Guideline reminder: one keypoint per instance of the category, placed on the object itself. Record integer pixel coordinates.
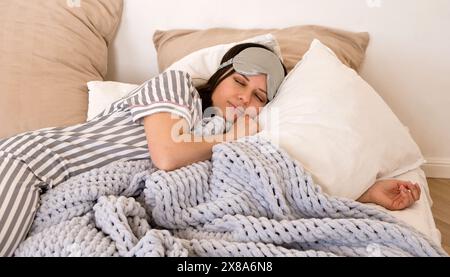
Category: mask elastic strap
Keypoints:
(230, 61)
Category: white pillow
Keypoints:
(203, 63)
(332, 122)
(102, 94)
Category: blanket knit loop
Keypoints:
(251, 199)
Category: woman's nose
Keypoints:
(245, 96)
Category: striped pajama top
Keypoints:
(56, 154)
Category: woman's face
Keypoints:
(238, 93)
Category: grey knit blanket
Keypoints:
(251, 199)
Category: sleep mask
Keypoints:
(255, 61)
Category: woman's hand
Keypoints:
(243, 127)
(392, 194)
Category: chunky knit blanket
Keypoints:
(251, 199)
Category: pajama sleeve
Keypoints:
(171, 91)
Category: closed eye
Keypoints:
(260, 98)
(242, 83)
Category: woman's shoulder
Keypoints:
(182, 78)
(172, 76)
(179, 74)
(174, 81)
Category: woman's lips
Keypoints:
(236, 111)
(238, 108)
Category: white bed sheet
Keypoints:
(419, 215)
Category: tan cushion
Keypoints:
(350, 47)
(49, 50)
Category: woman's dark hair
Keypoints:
(207, 90)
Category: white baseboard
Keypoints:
(437, 168)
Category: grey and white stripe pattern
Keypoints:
(18, 203)
(41, 159)
(172, 91)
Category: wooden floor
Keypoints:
(440, 193)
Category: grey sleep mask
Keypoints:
(255, 61)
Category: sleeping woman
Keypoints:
(156, 121)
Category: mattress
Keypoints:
(418, 215)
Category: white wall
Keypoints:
(408, 58)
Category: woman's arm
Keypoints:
(392, 194)
(171, 145)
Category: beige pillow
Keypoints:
(350, 47)
(49, 50)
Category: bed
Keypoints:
(327, 158)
